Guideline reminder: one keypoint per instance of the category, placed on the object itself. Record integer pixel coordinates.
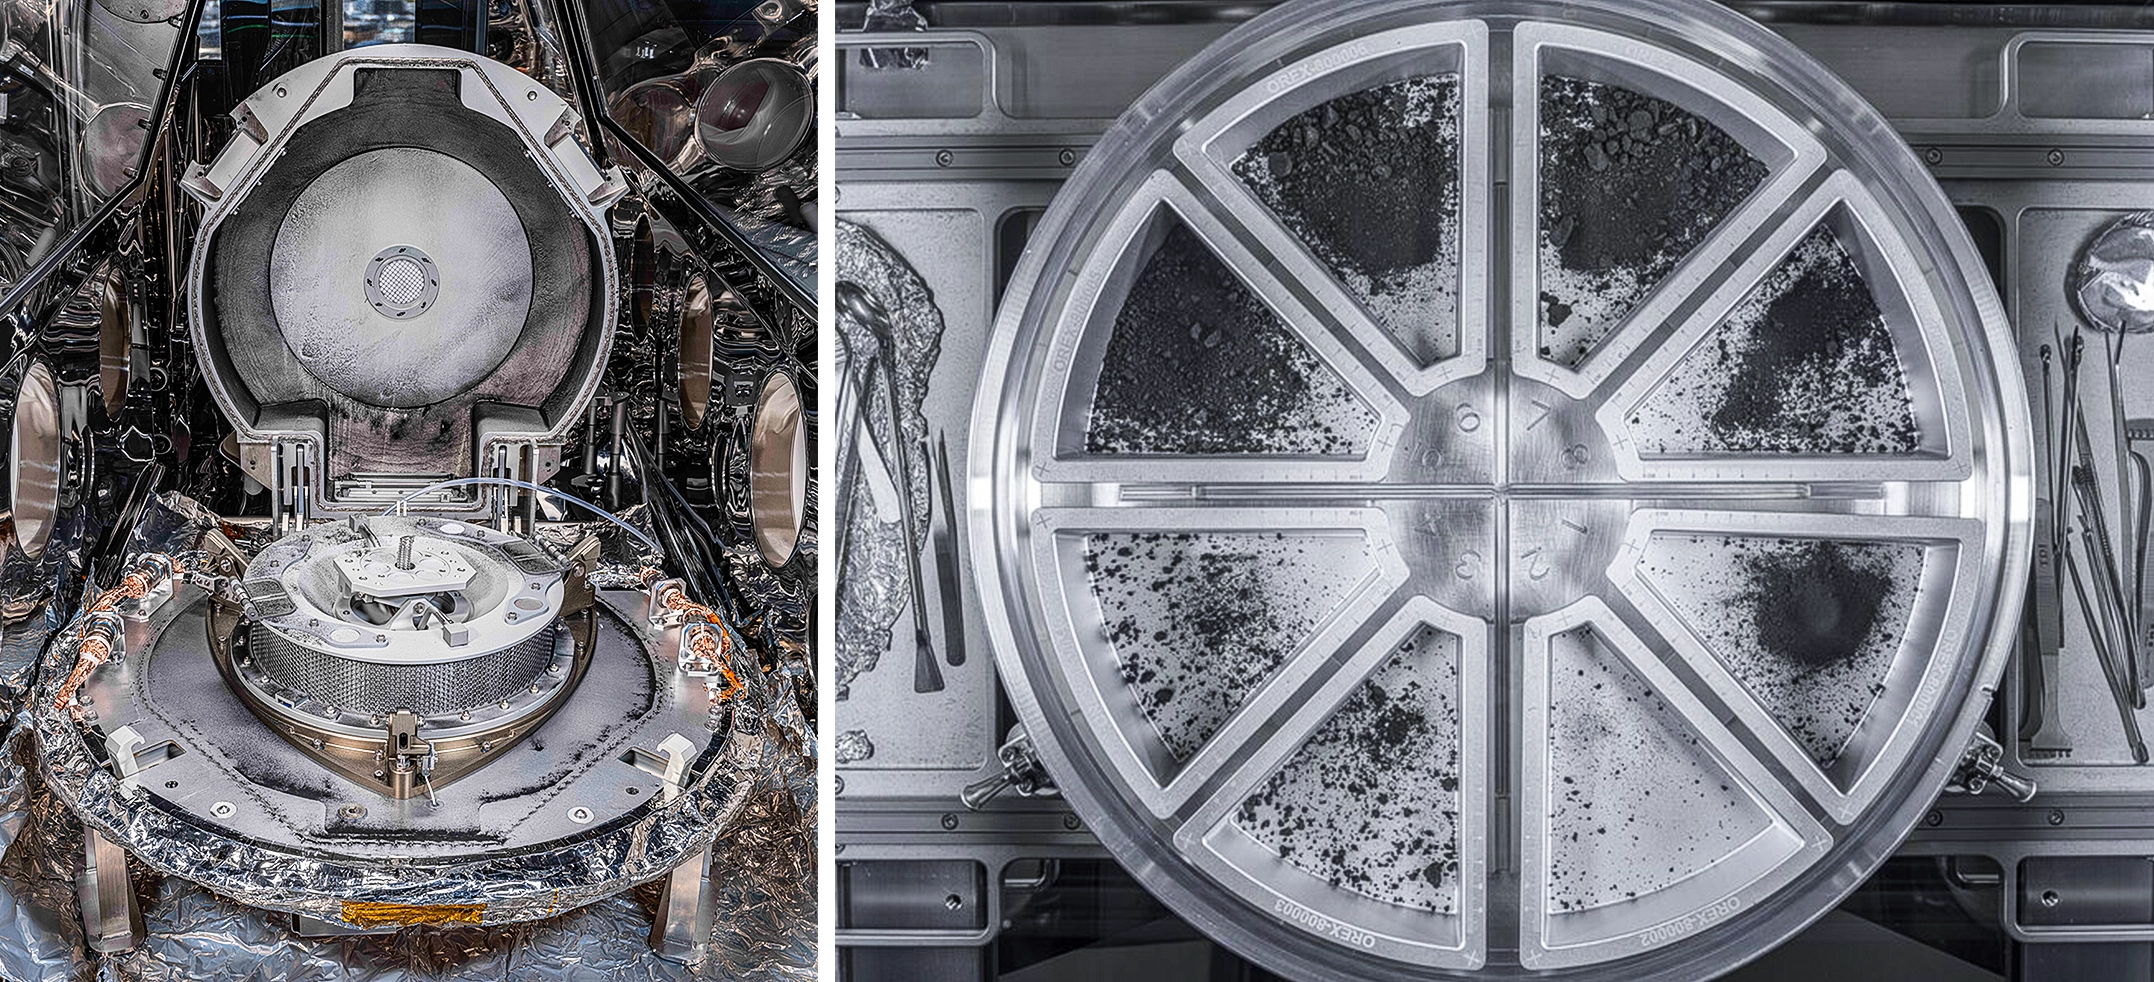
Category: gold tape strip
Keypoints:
(365, 914)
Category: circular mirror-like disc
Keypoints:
(406, 330)
(1479, 489)
(115, 342)
(34, 460)
(754, 114)
(695, 350)
(778, 470)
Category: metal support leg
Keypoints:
(682, 928)
(111, 918)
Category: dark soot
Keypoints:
(1199, 365)
(1370, 193)
(1628, 183)
(1812, 606)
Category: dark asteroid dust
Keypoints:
(1370, 183)
(1199, 365)
(1199, 620)
(1370, 803)
(1630, 185)
(1810, 627)
(1804, 365)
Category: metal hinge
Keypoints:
(1021, 771)
(1982, 767)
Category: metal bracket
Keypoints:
(1021, 771)
(682, 926)
(111, 915)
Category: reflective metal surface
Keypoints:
(778, 469)
(1553, 529)
(34, 459)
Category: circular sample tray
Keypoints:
(1463, 491)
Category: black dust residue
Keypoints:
(1370, 802)
(1630, 184)
(1815, 607)
(1810, 627)
(1199, 365)
(1370, 183)
(1199, 620)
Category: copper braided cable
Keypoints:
(708, 644)
(93, 650)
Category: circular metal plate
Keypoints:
(777, 469)
(112, 143)
(337, 256)
(754, 114)
(1409, 581)
(402, 281)
(33, 472)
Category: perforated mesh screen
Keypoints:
(427, 690)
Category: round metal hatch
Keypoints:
(1476, 489)
(777, 469)
(35, 458)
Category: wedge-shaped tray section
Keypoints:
(1816, 630)
(1647, 820)
(1363, 175)
(1595, 271)
(1196, 364)
(1364, 818)
(1196, 624)
(1821, 358)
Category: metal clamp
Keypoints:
(1982, 767)
(1021, 770)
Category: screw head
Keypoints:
(949, 821)
(2056, 816)
(944, 158)
(1934, 818)
(1070, 822)
(1068, 157)
(2056, 158)
(1933, 156)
